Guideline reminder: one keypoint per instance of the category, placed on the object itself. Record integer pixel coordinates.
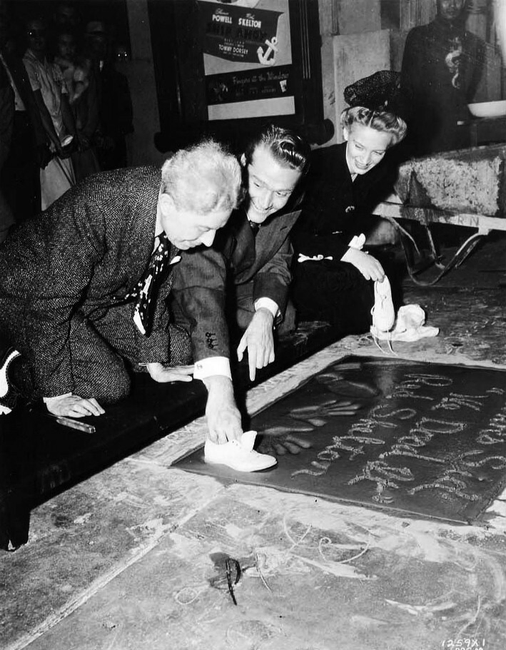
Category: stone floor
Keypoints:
(133, 557)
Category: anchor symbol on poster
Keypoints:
(263, 57)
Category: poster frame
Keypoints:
(180, 78)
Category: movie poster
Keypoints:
(247, 58)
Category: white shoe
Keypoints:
(238, 455)
(407, 336)
(409, 326)
(383, 312)
(6, 398)
(409, 317)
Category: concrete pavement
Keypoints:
(130, 558)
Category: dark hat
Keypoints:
(376, 92)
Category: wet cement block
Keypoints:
(465, 181)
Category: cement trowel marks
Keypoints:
(427, 439)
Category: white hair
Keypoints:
(203, 178)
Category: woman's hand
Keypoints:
(368, 265)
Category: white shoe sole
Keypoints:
(241, 458)
(4, 382)
(241, 467)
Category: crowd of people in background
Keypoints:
(65, 108)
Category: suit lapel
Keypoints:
(142, 225)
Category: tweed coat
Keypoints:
(84, 254)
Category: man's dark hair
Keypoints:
(285, 145)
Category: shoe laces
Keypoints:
(389, 344)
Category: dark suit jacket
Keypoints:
(264, 261)
(85, 252)
(432, 99)
(335, 208)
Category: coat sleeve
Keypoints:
(199, 291)
(273, 279)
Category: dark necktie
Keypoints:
(254, 227)
(145, 288)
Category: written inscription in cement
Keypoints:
(421, 422)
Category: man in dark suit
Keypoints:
(75, 283)
(441, 69)
(257, 248)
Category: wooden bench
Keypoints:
(39, 457)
